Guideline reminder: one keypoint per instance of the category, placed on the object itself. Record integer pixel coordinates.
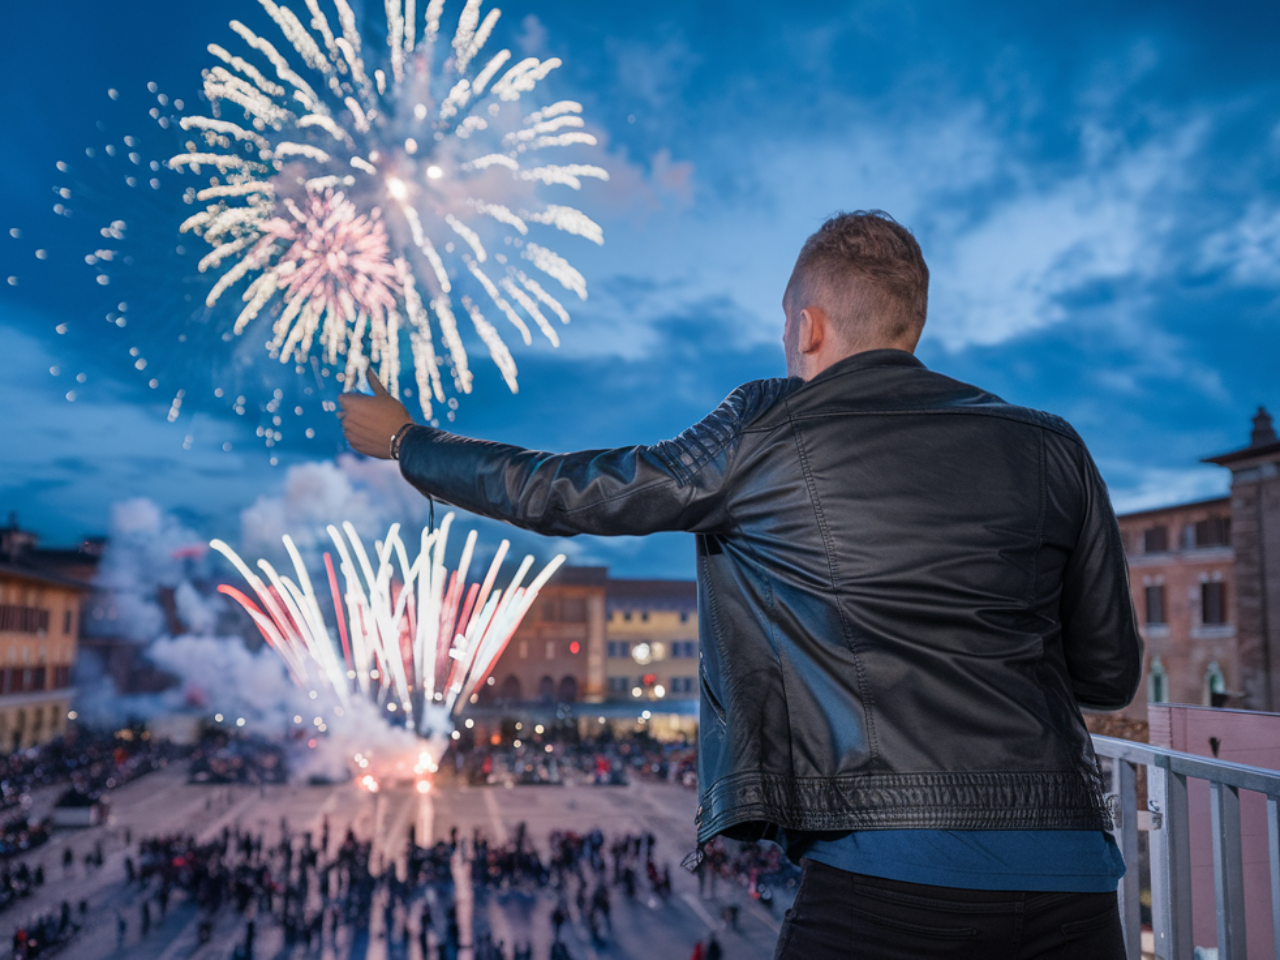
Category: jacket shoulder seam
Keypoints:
(1045, 420)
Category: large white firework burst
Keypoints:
(354, 205)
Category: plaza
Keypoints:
(165, 803)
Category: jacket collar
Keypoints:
(866, 359)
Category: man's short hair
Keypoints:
(867, 272)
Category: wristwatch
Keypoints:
(395, 440)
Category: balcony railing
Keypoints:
(1170, 844)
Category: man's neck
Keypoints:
(825, 360)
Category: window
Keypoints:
(1157, 682)
(684, 649)
(524, 649)
(66, 622)
(1213, 603)
(1155, 603)
(684, 616)
(1155, 540)
(618, 685)
(19, 619)
(644, 617)
(562, 609)
(618, 649)
(682, 684)
(1213, 532)
(1215, 686)
(551, 649)
(627, 616)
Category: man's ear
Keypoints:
(813, 329)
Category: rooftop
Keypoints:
(1173, 508)
(672, 595)
(1263, 443)
(10, 571)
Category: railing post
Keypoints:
(1228, 870)
(1170, 844)
(1124, 787)
(1273, 845)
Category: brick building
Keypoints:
(1255, 540)
(39, 626)
(629, 648)
(1205, 578)
(1181, 573)
(557, 653)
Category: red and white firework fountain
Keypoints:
(413, 637)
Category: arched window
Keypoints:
(546, 689)
(568, 692)
(1157, 682)
(510, 689)
(1215, 685)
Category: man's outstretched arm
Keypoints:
(674, 485)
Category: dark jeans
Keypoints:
(845, 915)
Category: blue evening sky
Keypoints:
(1096, 188)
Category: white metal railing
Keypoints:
(1169, 844)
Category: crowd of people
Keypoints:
(294, 882)
(759, 868)
(20, 835)
(90, 762)
(18, 882)
(603, 760)
(318, 891)
(219, 758)
(325, 887)
(46, 934)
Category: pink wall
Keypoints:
(1244, 737)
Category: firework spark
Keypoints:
(411, 635)
(356, 203)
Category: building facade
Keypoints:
(557, 655)
(1255, 541)
(652, 656)
(652, 640)
(1181, 574)
(602, 650)
(1205, 579)
(39, 627)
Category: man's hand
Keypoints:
(369, 423)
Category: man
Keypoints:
(907, 589)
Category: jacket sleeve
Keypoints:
(1100, 633)
(678, 484)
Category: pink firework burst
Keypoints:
(336, 267)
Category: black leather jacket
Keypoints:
(907, 588)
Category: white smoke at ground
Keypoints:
(220, 675)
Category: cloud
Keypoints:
(1160, 486)
(532, 39)
(654, 75)
(67, 462)
(1249, 249)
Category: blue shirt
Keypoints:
(1078, 861)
